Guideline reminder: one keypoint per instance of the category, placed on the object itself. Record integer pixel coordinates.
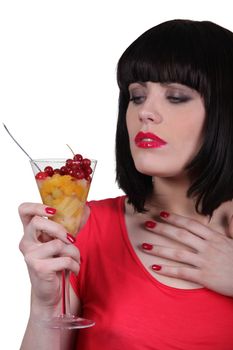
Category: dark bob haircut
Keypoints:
(199, 55)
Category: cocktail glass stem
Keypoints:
(65, 309)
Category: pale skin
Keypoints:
(193, 251)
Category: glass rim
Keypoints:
(57, 160)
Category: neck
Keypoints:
(170, 194)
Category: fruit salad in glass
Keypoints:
(64, 185)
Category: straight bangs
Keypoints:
(165, 54)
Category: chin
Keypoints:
(158, 165)
(159, 171)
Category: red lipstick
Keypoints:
(148, 140)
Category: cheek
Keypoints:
(189, 130)
(131, 124)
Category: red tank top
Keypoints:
(132, 310)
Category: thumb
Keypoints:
(85, 216)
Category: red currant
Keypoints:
(76, 166)
(79, 175)
(63, 170)
(72, 172)
(49, 170)
(78, 158)
(88, 171)
(69, 163)
(86, 163)
(41, 175)
(88, 178)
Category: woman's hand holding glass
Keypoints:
(47, 252)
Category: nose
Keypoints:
(146, 116)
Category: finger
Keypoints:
(176, 233)
(178, 255)
(85, 216)
(53, 249)
(51, 228)
(191, 225)
(185, 273)
(28, 210)
(45, 267)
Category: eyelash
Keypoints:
(178, 99)
(137, 99)
(173, 99)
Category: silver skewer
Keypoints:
(20, 147)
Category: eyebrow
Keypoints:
(164, 84)
(176, 86)
(171, 84)
(139, 83)
(167, 84)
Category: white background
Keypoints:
(57, 85)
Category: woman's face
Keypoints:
(165, 123)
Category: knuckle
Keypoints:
(37, 266)
(28, 259)
(22, 207)
(75, 251)
(22, 245)
(58, 244)
(34, 220)
(218, 239)
(162, 230)
(76, 255)
(68, 262)
(182, 273)
(191, 225)
(159, 251)
(26, 208)
(180, 233)
(76, 268)
(179, 255)
(59, 230)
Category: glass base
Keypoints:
(68, 322)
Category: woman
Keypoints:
(157, 264)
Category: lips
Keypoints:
(148, 140)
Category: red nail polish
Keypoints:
(164, 214)
(150, 224)
(50, 210)
(156, 267)
(70, 238)
(147, 246)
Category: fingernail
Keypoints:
(50, 210)
(70, 238)
(164, 214)
(147, 246)
(156, 267)
(150, 224)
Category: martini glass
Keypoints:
(64, 185)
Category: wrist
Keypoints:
(43, 311)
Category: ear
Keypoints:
(230, 228)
